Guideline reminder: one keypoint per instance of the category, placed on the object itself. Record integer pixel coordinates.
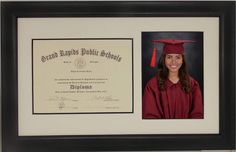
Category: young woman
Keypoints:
(172, 93)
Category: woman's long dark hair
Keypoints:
(163, 73)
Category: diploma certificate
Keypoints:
(82, 75)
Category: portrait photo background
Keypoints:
(193, 53)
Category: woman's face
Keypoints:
(173, 62)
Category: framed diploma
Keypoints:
(80, 76)
(85, 81)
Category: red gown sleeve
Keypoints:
(197, 104)
(151, 104)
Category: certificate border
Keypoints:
(132, 75)
(12, 10)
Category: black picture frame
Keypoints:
(225, 10)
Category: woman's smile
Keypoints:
(173, 62)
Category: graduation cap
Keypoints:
(170, 47)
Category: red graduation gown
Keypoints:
(173, 102)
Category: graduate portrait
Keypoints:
(172, 75)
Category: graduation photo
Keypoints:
(172, 75)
